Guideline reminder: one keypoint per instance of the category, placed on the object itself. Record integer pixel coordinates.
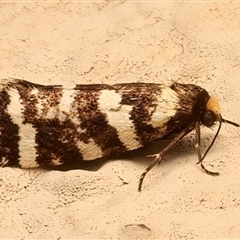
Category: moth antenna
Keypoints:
(230, 122)
(221, 120)
(213, 141)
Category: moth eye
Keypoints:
(208, 118)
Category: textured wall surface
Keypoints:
(113, 42)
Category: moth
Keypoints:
(56, 125)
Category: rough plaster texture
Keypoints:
(109, 42)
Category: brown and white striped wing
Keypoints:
(54, 125)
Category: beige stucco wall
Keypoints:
(109, 42)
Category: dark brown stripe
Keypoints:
(9, 137)
(56, 140)
(51, 98)
(94, 124)
(192, 103)
(29, 102)
(143, 99)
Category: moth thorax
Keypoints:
(211, 113)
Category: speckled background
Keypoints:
(110, 42)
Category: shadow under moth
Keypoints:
(54, 125)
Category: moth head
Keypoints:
(210, 116)
(212, 112)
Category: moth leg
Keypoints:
(158, 157)
(198, 149)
